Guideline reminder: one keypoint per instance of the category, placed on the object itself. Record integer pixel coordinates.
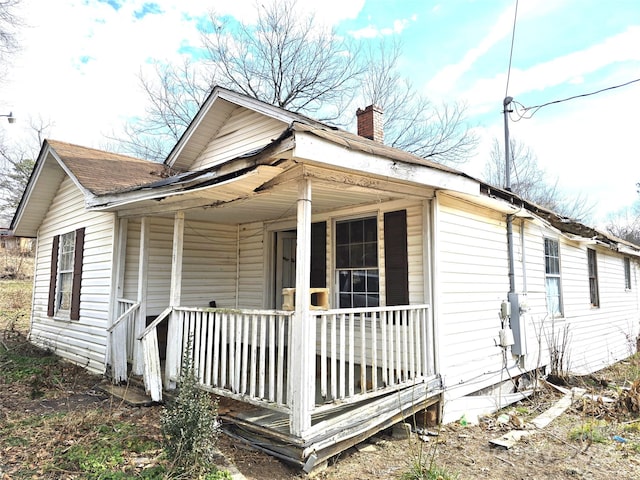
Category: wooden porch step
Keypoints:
(131, 394)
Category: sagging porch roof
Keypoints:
(261, 185)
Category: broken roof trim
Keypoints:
(570, 228)
(192, 181)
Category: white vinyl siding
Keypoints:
(251, 286)
(472, 282)
(208, 268)
(243, 132)
(83, 341)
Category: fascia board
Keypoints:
(312, 148)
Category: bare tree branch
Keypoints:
(531, 182)
(287, 59)
(411, 121)
(9, 23)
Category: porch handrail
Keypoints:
(155, 323)
(125, 314)
(370, 351)
(393, 308)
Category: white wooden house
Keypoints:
(331, 283)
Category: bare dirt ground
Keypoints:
(591, 440)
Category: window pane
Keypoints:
(373, 300)
(627, 274)
(371, 230)
(553, 296)
(342, 233)
(356, 231)
(345, 300)
(345, 281)
(372, 281)
(356, 252)
(357, 262)
(359, 281)
(65, 291)
(552, 277)
(342, 256)
(370, 255)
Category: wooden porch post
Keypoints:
(302, 378)
(174, 334)
(118, 337)
(143, 269)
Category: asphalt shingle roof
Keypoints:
(103, 172)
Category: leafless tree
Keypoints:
(532, 182)
(9, 22)
(625, 223)
(16, 164)
(411, 121)
(287, 59)
(174, 96)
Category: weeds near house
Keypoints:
(189, 426)
(590, 431)
(558, 343)
(423, 465)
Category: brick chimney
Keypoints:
(370, 123)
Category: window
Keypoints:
(66, 274)
(552, 276)
(627, 273)
(593, 278)
(65, 271)
(357, 263)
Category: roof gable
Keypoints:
(221, 107)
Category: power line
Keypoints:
(513, 36)
(528, 112)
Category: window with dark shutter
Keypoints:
(66, 274)
(396, 258)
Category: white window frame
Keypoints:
(64, 282)
(338, 270)
(553, 278)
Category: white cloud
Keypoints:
(81, 59)
(372, 31)
(486, 94)
(448, 76)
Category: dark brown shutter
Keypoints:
(74, 314)
(319, 255)
(51, 305)
(396, 263)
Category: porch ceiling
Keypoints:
(269, 196)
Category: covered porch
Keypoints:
(238, 277)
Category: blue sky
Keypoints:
(80, 61)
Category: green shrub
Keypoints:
(189, 426)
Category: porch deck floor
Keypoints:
(332, 431)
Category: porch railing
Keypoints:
(365, 352)
(244, 354)
(239, 353)
(122, 332)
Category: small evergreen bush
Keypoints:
(189, 426)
